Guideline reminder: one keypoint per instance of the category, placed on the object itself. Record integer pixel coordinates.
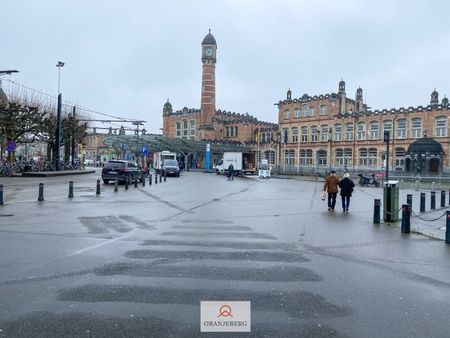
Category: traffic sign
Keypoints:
(144, 151)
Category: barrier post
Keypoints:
(406, 216)
(116, 185)
(1, 194)
(433, 200)
(376, 211)
(442, 198)
(71, 189)
(447, 228)
(41, 192)
(156, 178)
(97, 190)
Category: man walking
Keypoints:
(230, 171)
(331, 186)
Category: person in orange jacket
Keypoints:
(331, 186)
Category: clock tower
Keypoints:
(208, 97)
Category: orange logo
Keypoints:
(225, 311)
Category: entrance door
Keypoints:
(434, 165)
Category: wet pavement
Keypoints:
(137, 262)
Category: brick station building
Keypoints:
(209, 123)
(335, 131)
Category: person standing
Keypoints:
(331, 187)
(346, 185)
(231, 172)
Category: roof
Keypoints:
(209, 39)
(425, 145)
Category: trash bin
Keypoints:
(390, 200)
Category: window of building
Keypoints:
(294, 132)
(399, 158)
(192, 128)
(178, 124)
(305, 156)
(314, 134)
(361, 130)
(285, 135)
(441, 126)
(401, 128)
(298, 113)
(337, 132)
(289, 156)
(312, 111)
(374, 130)
(323, 110)
(416, 128)
(235, 131)
(373, 157)
(304, 132)
(349, 131)
(322, 158)
(363, 157)
(287, 114)
(305, 110)
(348, 156)
(324, 132)
(339, 156)
(269, 155)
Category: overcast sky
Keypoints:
(127, 57)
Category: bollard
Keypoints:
(41, 192)
(449, 197)
(127, 182)
(160, 178)
(406, 213)
(422, 202)
(143, 180)
(165, 176)
(116, 185)
(442, 198)
(433, 200)
(376, 211)
(71, 189)
(1, 194)
(447, 228)
(97, 191)
(135, 182)
(409, 199)
(156, 178)
(150, 179)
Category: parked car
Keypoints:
(171, 168)
(122, 170)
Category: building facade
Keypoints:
(208, 122)
(334, 131)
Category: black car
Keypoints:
(171, 168)
(122, 170)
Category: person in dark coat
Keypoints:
(346, 185)
(230, 171)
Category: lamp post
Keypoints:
(386, 140)
(58, 118)
(137, 124)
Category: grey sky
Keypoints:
(126, 57)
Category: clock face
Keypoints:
(208, 51)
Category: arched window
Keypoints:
(337, 132)
(294, 132)
(304, 134)
(373, 156)
(387, 126)
(324, 132)
(440, 128)
(285, 135)
(178, 124)
(349, 131)
(289, 156)
(305, 157)
(374, 130)
(363, 157)
(361, 130)
(314, 134)
(416, 127)
(287, 114)
(348, 156)
(399, 158)
(339, 156)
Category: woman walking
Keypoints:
(346, 185)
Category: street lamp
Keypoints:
(137, 124)
(58, 118)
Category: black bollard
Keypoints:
(409, 199)
(442, 198)
(150, 179)
(1, 194)
(406, 215)
(433, 200)
(97, 191)
(422, 202)
(41, 192)
(447, 228)
(376, 211)
(165, 176)
(160, 178)
(143, 180)
(449, 197)
(127, 182)
(135, 182)
(116, 185)
(71, 189)
(156, 178)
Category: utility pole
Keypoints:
(73, 136)
(386, 140)
(58, 118)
